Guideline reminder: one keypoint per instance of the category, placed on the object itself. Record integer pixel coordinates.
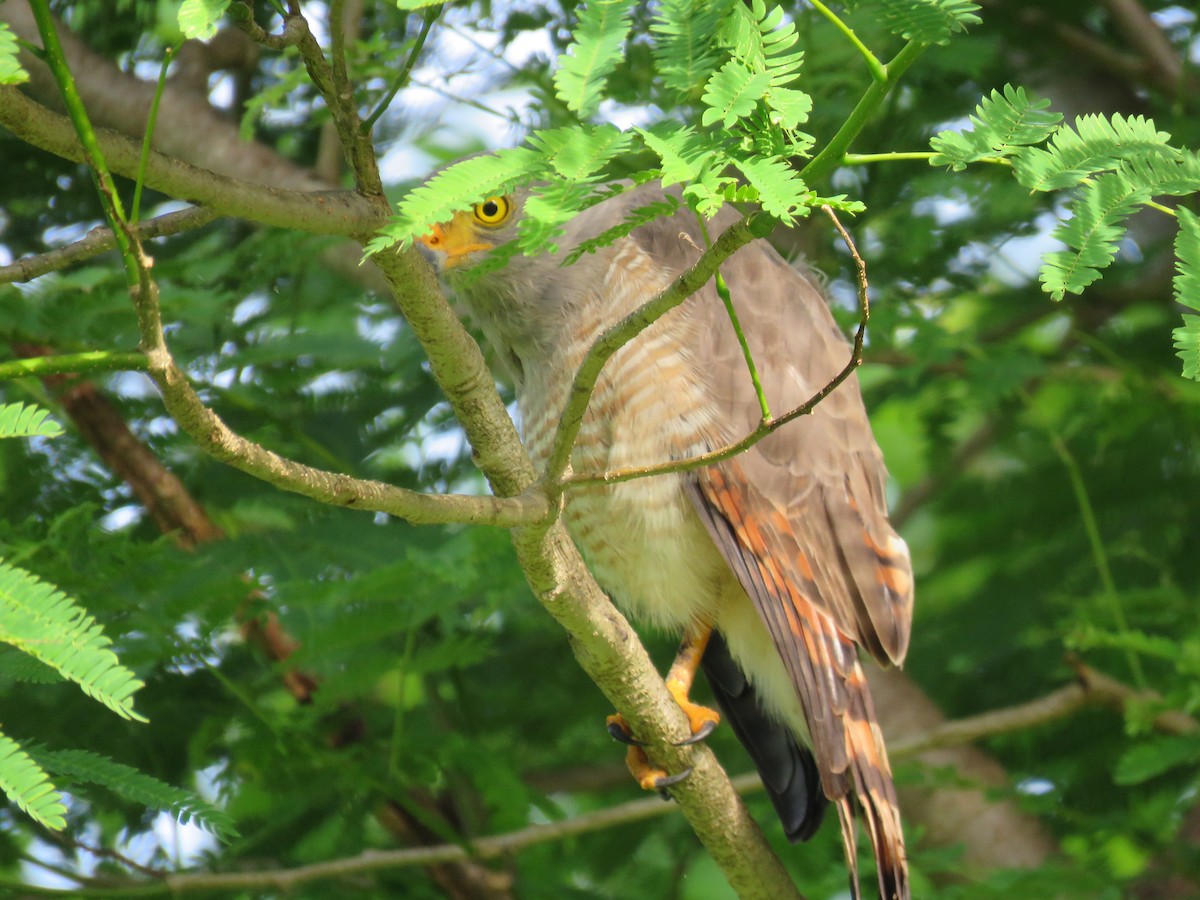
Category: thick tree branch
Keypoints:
(343, 213)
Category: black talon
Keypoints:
(663, 783)
(619, 734)
(705, 730)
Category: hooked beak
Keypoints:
(450, 244)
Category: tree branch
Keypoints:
(343, 213)
(1092, 688)
(101, 239)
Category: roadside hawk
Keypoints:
(775, 565)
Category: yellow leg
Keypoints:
(701, 719)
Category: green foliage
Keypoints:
(926, 21)
(1115, 164)
(733, 93)
(1002, 125)
(1155, 757)
(28, 786)
(198, 19)
(43, 622)
(749, 119)
(686, 51)
(437, 689)
(81, 766)
(1187, 291)
(598, 45)
(19, 420)
(11, 71)
(1096, 144)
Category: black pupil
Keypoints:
(491, 208)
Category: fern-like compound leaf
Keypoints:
(1186, 286)
(1092, 233)
(597, 49)
(1096, 144)
(27, 785)
(685, 43)
(733, 93)
(127, 782)
(1003, 123)
(926, 21)
(20, 420)
(456, 188)
(39, 619)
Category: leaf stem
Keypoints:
(431, 16)
(862, 159)
(878, 71)
(1099, 555)
(110, 199)
(727, 299)
(70, 363)
(144, 159)
(832, 155)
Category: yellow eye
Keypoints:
(493, 210)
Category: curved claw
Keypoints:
(661, 784)
(704, 731)
(618, 730)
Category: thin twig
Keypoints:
(100, 240)
(765, 426)
(401, 79)
(614, 338)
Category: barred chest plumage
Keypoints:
(642, 538)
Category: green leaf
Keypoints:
(198, 18)
(790, 107)
(417, 4)
(635, 218)
(19, 420)
(1149, 760)
(455, 188)
(1092, 233)
(1002, 124)
(579, 152)
(92, 768)
(11, 71)
(29, 787)
(683, 152)
(926, 21)
(733, 93)
(761, 38)
(685, 42)
(779, 188)
(1186, 286)
(42, 621)
(1096, 144)
(597, 49)
(545, 212)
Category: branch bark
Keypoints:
(1092, 688)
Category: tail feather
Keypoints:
(876, 794)
(788, 770)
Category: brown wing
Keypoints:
(801, 520)
(823, 663)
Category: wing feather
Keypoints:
(801, 518)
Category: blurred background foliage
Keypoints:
(1044, 457)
